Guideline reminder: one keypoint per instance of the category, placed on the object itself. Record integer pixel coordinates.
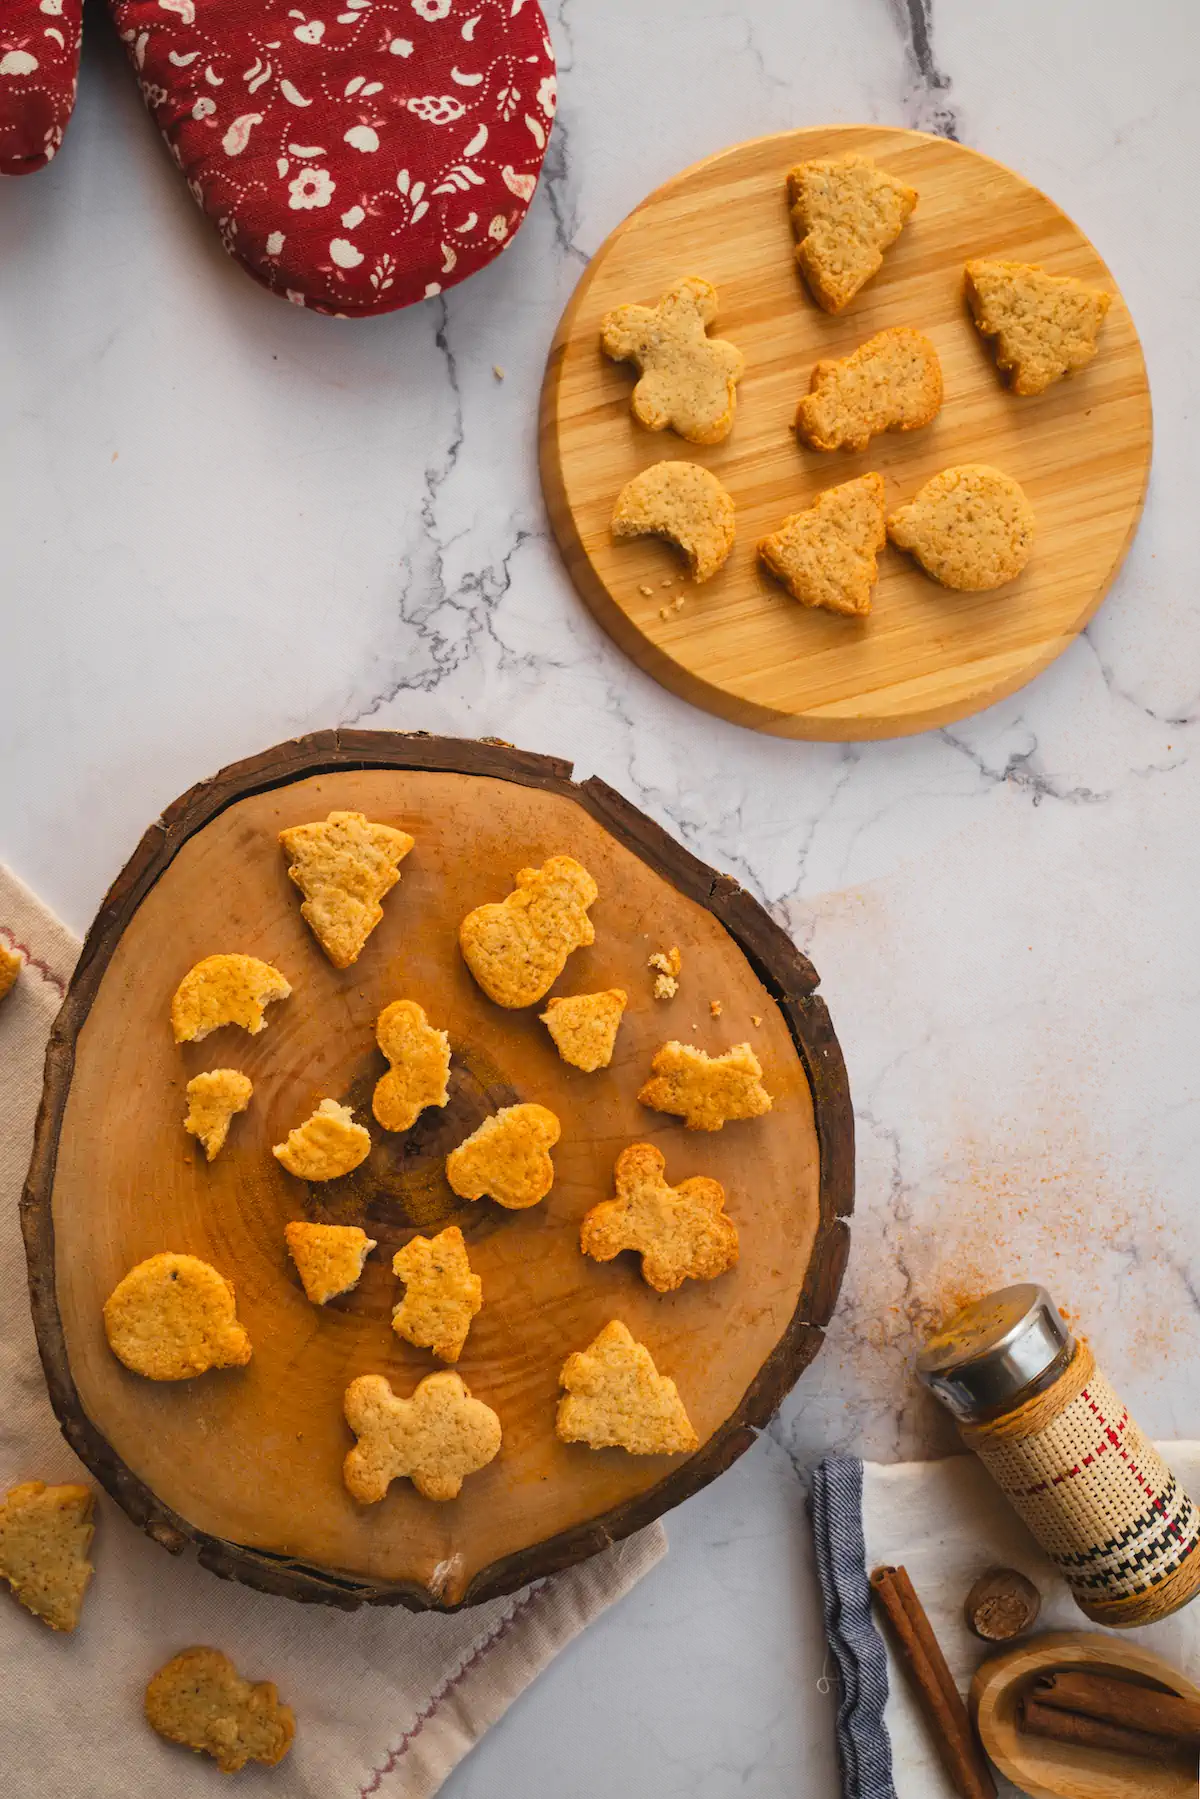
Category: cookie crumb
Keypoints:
(668, 963)
(664, 612)
(645, 589)
(497, 371)
(667, 581)
(756, 1018)
(680, 601)
(714, 1008)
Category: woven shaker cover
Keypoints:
(355, 155)
(39, 67)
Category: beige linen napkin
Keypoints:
(386, 1702)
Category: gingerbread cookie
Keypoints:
(173, 1317)
(435, 1439)
(687, 378)
(45, 1534)
(507, 1158)
(970, 527)
(1044, 326)
(616, 1399)
(518, 947)
(892, 382)
(420, 1065)
(213, 1099)
(845, 212)
(584, 1027)
(224, 990)
(441, 1294)
(11, 965)
(685, 504)
(325, 1146)
(706, 1091)
(343, 868)
(681, 1233)
(826, 555)
(200, 1700)
(329, 1258)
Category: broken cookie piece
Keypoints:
(517, 947)
(584, 1027)
(681, 1233)
(223, 990)
(826, 555)
(507, 1158)
(685, 504)
(435, 1439)
(892, 382)
(970, 527)
(325, 1146)
(344, 867)
(845, 212)
(213, 1099)
(615, 1398)
(441, 1295)
(1044, 326)
(200, 1700)
(707, 1092)
(687, 378)
(420, 1065)
(11, 965)
(329, 1258)
(173, 1317)
(668, 963)
(45, 1534)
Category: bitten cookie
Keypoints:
(584, 1027)
(441, 1294)
(687, 378)
(213, 1099)
(685, 504)
(826, 555)
(200, 1700)
(892, 382)
(329, 1258)
(616, 1399)
(11, 965)
(681, 1233)
(435, 1439)
(706, 1091)
(344, 867)
(420, 1065)
(507, 1158)
(173, 1317)
(970, 527)
(517, 948)
(845, 212)
(45, 1534)
(325, 1146)
(224, 990)
(1044, 326)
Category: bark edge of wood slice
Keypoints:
(773, 960)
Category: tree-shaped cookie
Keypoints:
(508, 1158)
(343, 868)
(584, 1027)
(435, 1439)
(616, 1399)
(1044, 326)
(518, 946)
(173, 1317)
(326, 1146)
(970, 527)
(845, 212)
(706, 1091)
(420, 1065)
(892, 382)
(45, 1533)
(687, 378)
(684, 503)
(329, 1258)
(826, 555)
(441, 1295)
(681, 1233)
(225, 990)
(213, 1099)
(200, 1700)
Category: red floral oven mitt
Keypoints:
(39, 67)
(355, 155)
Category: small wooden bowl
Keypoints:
(246, 1463)
(1049, 1770)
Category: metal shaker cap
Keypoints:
(997, 1352)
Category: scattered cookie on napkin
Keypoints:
(11, 965)
(200, 1700)
(45, 1534)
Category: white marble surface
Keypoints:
(226, 522)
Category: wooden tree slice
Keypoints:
(247, 1463)
(741, 646)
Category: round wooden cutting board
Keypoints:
(740, 645)
(247, 1463)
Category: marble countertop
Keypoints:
(227, 522)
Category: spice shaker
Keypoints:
(1030, 1401)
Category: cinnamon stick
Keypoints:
(1092, 1733)
(939, 1698)
(1121, 1702)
